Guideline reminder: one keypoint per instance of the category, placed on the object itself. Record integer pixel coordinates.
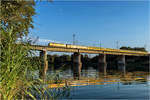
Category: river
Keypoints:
(93, 84)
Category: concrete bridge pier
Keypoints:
(77, 65)
(44, 61)
(102, 64)
(121, 63)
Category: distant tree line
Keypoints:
(135, 48)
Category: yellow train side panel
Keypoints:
(57, 45)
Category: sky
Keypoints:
(95, 23)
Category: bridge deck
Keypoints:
(60, 49)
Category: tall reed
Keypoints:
(15, 66)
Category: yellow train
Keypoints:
(52, 44)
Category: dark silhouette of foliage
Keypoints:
(135, 48)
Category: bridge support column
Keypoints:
(77, 65)
(102, 64)
(121, 63)
(42, 72)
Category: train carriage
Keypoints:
(57, 44)
(52, 44)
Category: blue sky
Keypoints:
(94, 22)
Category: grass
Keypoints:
(15, 82)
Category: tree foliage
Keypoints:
(17, 14)
(135, 48)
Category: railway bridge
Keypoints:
(103, 52)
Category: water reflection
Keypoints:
(92, 75)
(95, 84)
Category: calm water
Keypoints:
(115, 85)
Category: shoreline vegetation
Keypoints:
(15, 81)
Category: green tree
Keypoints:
(17, 14)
